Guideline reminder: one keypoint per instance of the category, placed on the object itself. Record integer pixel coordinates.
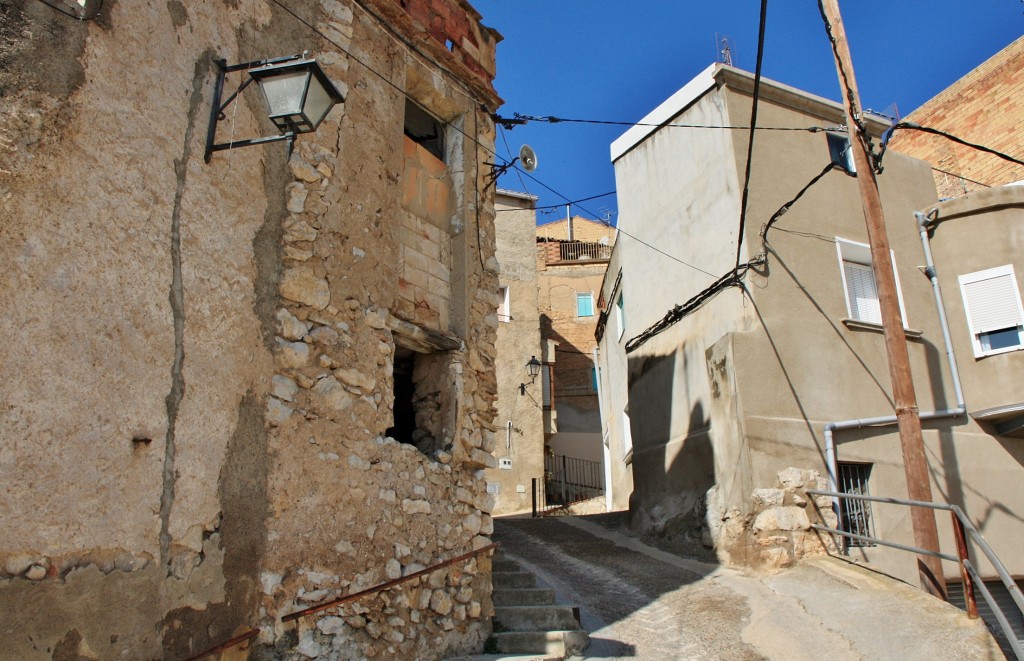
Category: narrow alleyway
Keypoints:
(638, 602)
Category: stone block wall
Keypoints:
(777, 531)
(201, 355)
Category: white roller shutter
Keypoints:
(991, 301)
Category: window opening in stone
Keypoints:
(405, 412)
(424, 129)
(423, 402)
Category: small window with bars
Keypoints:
(855, 515)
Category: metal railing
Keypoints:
(580, 250)
(963, 529)
(567, 480)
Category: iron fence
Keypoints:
(567, 480)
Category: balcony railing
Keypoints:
(580, 250)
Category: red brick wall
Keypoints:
(985, 107)
(456, 37)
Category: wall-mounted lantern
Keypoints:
(297, 91)
(532, 369)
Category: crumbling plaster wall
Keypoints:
(198, 363)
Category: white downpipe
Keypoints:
(606, 453)
(961, 408)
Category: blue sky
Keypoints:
(607, 60)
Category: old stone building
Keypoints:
(985, 107)
(234, 390)
(519, 448)
(572, 258)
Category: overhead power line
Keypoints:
(523, 119)
(949, 136)
(753, 123)
(734, 278)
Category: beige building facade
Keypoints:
(235, 390)
(711, 394)
(519, 449)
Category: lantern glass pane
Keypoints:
(284, 92)
(318, 102)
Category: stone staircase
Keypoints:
(528, 624)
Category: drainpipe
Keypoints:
(961, 408)
(605, 450)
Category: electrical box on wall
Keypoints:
(493, 487)
(520, 488)
(505, 463)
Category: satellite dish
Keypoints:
(528, 158)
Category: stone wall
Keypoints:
(200, 356)
(776, 532)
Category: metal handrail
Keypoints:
(993, 606)
(248, 635)
(389, 584)
(961, 525)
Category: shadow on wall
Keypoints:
(671, 475)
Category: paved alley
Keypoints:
(639, 602)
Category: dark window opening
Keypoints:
(405, 412)
(855, 514)
(424, 129)
(422, 407)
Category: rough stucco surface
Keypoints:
(199, 355)
(518, 340)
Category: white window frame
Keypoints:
(505, 306)
(1010, 305)
(859, 254)
(584, 293)
(620, 315)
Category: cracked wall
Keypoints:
(200, 355)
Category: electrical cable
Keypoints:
(926, 129)
(559, 206)
(855, 115)
(753, 124)
(733, 278)
(558, 120)
(960, 176)
(81, 17)
(504, 139)
(619, 230)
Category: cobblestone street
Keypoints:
(638, 602)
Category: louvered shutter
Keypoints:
(992, 302)
(862, 295)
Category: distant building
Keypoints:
(572, 256)
(519, 447)
(985, 107)
(710, 396)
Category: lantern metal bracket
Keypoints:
(217, 111)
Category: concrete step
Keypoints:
(534, 618)
(507, 657)
(502, 565)
(523, 597)
(554, 643)
(513, 580)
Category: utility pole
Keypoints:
(926, 535)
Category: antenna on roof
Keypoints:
(724, 48)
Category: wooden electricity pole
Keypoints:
(926, 535)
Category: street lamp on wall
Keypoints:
(532, 369)
(297, 91)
